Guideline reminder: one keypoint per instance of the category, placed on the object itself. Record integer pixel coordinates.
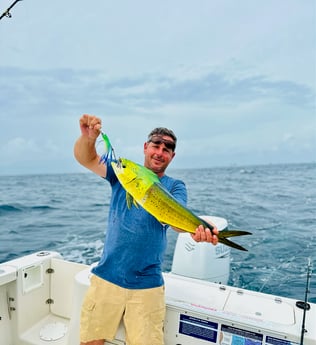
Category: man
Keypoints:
(127, 283)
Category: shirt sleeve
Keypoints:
(179, 191)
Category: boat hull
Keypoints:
(41, 296)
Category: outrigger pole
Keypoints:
(305, 305)
(7, 13)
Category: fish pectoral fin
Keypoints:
(130, 201)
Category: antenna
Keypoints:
(304, 305)
(7, 13)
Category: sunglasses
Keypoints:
(158, 141)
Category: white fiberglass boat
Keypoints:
(41, 296)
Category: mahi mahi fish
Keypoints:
(143, 187)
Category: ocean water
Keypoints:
(277, 203)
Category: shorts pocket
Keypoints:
(88, 304)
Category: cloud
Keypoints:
(210, 111)
(19, 147)
(233, 88)
(68, 88)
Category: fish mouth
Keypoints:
(119, 163)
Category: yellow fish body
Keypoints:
(144, 188)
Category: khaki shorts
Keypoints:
(105, 304)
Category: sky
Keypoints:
(235, 80)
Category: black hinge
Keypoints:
(49, 301)
(50, 270)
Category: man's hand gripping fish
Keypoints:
(144, 188)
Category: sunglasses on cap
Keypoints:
(157, 140)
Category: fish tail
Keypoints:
(224, 234)
(223, 238)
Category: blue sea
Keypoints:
(277, 203)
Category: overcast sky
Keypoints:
(235, 80)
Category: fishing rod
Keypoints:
(7, 13)
(304, 305)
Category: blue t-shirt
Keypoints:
(135, 241)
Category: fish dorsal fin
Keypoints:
(130, 201)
